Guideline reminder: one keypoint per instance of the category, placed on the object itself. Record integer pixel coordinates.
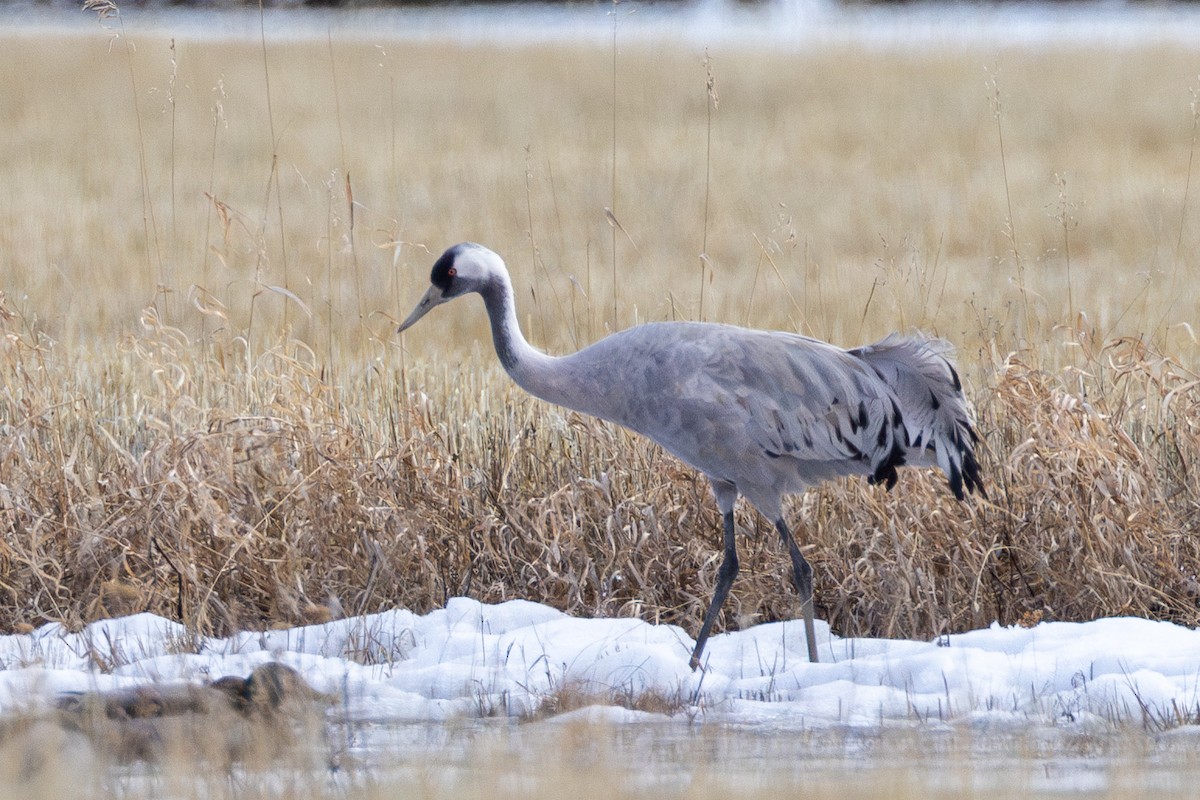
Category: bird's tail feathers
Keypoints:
(937, 417)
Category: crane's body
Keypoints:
(761, 413)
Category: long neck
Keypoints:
(534, 371)
(511, 346)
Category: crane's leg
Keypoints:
(725, 576)
(802, 573)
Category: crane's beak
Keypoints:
(432, 298)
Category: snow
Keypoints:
(471, 659)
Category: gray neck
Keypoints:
(506, 333)
(539, 374)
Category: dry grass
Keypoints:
(203, 411)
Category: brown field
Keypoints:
(204, 412)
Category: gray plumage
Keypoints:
(761, 413)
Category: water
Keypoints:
(676, 758)
(787, 24)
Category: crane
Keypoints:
(761, 413)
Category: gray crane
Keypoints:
(761, 413)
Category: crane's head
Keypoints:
(464, 268)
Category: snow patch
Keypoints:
(471, 659)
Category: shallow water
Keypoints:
(610, 753)
(786, 24)
(677, 757)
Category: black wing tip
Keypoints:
(956, 482)
(954, 376)
(972, 476)
(886, 475)
(885, 471)
(967, 477)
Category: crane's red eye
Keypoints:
(452, 272)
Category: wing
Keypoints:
(809, 402)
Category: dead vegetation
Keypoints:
(276, 497)
(253, 447)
